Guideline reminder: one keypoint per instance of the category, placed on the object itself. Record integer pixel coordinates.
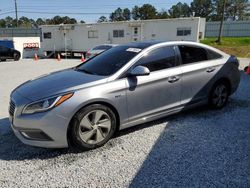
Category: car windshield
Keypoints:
(102, 47)
(109, 61)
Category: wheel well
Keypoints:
(102, 103)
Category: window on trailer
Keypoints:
(93, 34)
(118, 33)
(183, 31)
(47, 35)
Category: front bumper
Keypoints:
(47, 129)
(28, 133)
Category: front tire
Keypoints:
(92, 127)
(219, 95)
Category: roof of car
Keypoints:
(141, 45)
(147, 44)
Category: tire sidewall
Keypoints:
(74, 136)
(211, 103)
(16, 56)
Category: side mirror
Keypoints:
(139, 71)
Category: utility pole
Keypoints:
(16, 13)
(221, 22)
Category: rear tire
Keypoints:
(92, 127)
(16, 56)
(219, 95)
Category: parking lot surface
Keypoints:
(196, 148)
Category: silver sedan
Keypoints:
(122, 87)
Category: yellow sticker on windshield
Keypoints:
(133, 50)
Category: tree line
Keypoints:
(209, 9)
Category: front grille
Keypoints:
(12, 108)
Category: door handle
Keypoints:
(210, 69)
(173, 79)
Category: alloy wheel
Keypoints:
(94, 127)
(220, 95)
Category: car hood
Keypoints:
(56, 83)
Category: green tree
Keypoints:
(82, 21)
(25, 22)
(136, 13)
(202, 8)
(40, 21)
(237, 9)
(102, 19)
(126, 14)
(117, 15)
(180, 10)
(163, 14)
(234, 10)
(2, 23)
(61, 20)
(9, 21)
(147, 12)
(120, 15)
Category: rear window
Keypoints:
(191, 54)
(213, 55)
(102, 47)
(110, 61)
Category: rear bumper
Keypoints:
(235, 80)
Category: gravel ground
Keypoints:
(197, 148)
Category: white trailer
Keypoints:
(78, 38)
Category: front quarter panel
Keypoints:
(112, 93)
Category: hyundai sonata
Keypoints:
(125, 86)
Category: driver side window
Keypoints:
(159, 59)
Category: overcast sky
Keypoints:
(74, 8)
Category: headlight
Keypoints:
(45, 104)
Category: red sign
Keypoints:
(30, 45)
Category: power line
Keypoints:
(72, 13)
(89, 5)
(6, 12)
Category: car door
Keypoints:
(4, 52)
(198, 72)
(151, 95)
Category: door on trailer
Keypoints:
(69, 44)
(136, 34)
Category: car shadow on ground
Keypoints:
(202, 148)
(13, 149)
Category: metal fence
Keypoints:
(19, 32)
(230, 29)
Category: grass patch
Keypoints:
(238, 46)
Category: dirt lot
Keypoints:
(198, 148)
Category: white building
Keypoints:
(82, 37)
(25, 40)
(27, 46)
